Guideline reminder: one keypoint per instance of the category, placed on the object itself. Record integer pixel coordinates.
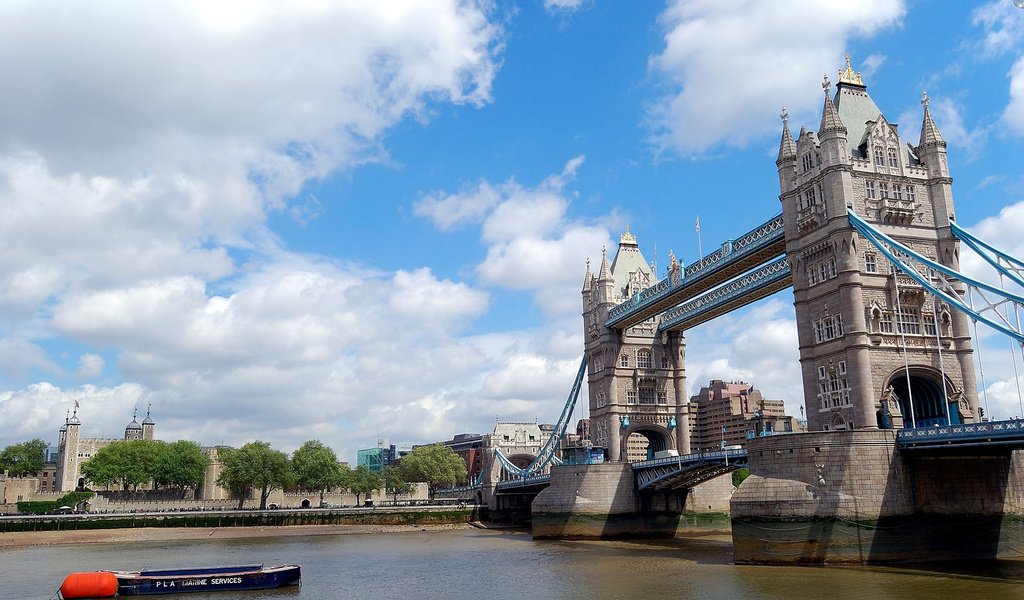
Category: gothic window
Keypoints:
(812, 275)
(810, 198)
(828, 330)
(893, 160)
(821, 372)
(908, 321)
(869, 188)
(885, 323)
(870, 262)
(643, 358)
(831, 263)
(929, 325)
(630, 396)
(911, 193)
(623, 361)
(898, 191)
(600, 399)
(597, 362)
(879, 156)
(842, 367)
(807, 162)
(883, 188)
(662, 397)
(646, 395)
(664, 360)
(839, 324)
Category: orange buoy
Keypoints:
(95, 584)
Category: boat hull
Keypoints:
(168, 582)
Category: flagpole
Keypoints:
(700, 251)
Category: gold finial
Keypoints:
(848, 76)
(627, 238)
(924, 99)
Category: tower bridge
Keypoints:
(868, 242)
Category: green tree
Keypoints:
(22, 459)
(130, 463)
(436, 465)
(394, 483)
(316, 468)
(363, 482)
(255, 466)
(181, 464)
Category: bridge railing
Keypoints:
(993, 431)
(762, 235)
(523, 482)
(697, 457)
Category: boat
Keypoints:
(107, 584)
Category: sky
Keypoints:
(360, 220)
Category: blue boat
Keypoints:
(101, 584)
(208, 579)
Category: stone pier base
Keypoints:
(852, 497)
(599, 502)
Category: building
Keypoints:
(860, 321)
(727, 413)
(377, 458)
(470, 448)
(637, 377)
(73, 450)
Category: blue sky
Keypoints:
(282, 221)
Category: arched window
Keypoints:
(643, 358)
(879, 156)
(893, 159)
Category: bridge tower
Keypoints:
(874, 347)
(636, 376)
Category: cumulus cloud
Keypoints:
(729, 67)
(1013, 115)
(140, 159)
(757, 345)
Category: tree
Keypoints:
(129, 463)
(316, 468)
(363, 482)
(436, 465)
(394, 483)
(22, 459)
(181, 464)
(255, 466)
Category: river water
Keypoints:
(479, 565)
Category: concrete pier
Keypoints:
(852, 497)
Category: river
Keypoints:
(478, 565)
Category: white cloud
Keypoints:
(731, 66)
(563, 5)
(757, 345)
(1002, 25)
(1013, 115)
(90, 365)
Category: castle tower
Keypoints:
(148, 423)
(636, 377)
(858, 322)
(67, 453)
(133, 431)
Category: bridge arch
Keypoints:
(658, 438)
(925, 386)
(521, 460)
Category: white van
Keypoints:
(665, 454)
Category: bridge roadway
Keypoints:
(734, 258)
(973, 437)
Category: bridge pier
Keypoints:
(599, 501)
(855, 497)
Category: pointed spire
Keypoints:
(830, 120)
(606, 269)
(588, 278)
(787, 147)
(930, 135)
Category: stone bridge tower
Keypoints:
(874, 346)
(636, 376)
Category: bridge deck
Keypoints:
(1005, 434)
(733, 259)
(686, 471)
